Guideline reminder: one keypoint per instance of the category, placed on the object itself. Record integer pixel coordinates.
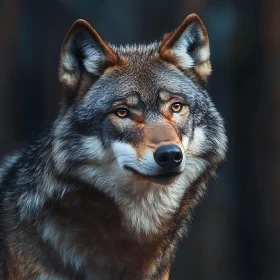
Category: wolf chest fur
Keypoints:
(106, 193)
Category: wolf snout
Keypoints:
(168, 157)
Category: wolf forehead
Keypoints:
(142, 69)
(144, 62)
(143, 79)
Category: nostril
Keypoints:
(163, 158)
(178, 156)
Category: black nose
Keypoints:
(168, 156)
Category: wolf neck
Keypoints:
(38, 179)
(144, 213)
(147, 213)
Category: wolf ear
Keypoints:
(83, 51)
(188, 47)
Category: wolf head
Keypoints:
(137, 118)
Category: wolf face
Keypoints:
(136, 121)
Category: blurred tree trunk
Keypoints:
(269, 141)
(8, 31)
(248, 64)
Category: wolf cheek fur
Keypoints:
(106, 192)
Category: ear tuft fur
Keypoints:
(188, 47)
(84, 50)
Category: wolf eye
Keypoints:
(122, 112)
(176, 107)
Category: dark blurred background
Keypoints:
(235, 233)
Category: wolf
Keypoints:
(107, 192)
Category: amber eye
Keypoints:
(177, 107)
(122, 112)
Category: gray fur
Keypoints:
(80, 148)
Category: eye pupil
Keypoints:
(176, 107)
(122, 112)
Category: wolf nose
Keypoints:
(168, 156)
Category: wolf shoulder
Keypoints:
(7, 163)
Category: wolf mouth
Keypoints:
(164, 178)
